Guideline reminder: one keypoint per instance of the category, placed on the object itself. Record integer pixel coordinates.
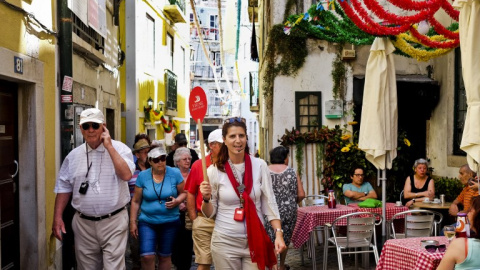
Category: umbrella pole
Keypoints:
(383, 178)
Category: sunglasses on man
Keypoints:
(433, 248)
(161, 158)
(86, 126)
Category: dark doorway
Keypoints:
(110, 119)
(9, 207)
(417, 97)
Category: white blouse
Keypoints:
(225, 200)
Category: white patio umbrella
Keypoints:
(378, 125)
(469, 28)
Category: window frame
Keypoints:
(458, 82)
(301, 95)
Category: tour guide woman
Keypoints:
(239, 193)
(158, 191)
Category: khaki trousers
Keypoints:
(202, 229)
(231, 253)
(101, 244)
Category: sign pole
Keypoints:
(202, 150)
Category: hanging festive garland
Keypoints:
(442, 30)
(400, 42)
(378, 10)
(448, 44)
(156, 115)
(414, 5)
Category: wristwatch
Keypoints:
(278, 230)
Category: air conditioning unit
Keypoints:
(348, 54)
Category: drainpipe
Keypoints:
(65, 52)
(65, 69)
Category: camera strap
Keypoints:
(161, 187)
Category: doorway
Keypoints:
(9, 207)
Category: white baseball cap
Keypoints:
(92, 115)
(156, 152)
(215, 136)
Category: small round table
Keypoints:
(423, 205)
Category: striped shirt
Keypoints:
(106, 192)
(465, 197)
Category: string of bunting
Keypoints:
(348, 21)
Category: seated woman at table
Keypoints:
(462, 252)
(418, 185)
(358, 190)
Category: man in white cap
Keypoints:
(202, 227)
(95, 176)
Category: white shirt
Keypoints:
(106, 192)
(225, 200)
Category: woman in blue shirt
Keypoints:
(158, 192)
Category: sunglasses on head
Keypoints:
(161, 158)
(86, 126)
(433, 248)
(234, 119)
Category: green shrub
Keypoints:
(451, 187)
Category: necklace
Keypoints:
(161, 188)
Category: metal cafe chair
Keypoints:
(358, 239)
(312, 200)
(417, 223)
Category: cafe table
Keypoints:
(309, 217)
(409, 254)
(431, 205)
(390, 210)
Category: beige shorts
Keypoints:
(202, 230)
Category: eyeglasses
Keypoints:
(234, 119)
(433, 248)
(86, 126)
(161, 158)
(359, 175)
(186, 159)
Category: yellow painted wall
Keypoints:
(16, 37)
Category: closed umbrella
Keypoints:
(378, 125)
(469, 28)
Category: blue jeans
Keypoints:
(157, 238)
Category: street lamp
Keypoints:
(150, 102)
(160, 105)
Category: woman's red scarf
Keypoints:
(261, 247)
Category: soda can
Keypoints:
(442, 198)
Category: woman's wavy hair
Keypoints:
(475, 205)
(223, 155)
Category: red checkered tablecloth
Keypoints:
(390, 210)
(409, 254)
(310, 217)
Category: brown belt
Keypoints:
(200, 214)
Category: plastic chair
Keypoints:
(312, 200)
(360, 233)
(418, 223)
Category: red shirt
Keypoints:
(194, 179)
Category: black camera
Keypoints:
(83, 187)
(169, 199)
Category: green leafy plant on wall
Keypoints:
(451, 187)
(285, 55)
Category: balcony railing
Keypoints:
(179, 3)
(208, 33)
(207, 72)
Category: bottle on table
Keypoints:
(462, 228)
(332, 203)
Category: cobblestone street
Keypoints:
(295, 262)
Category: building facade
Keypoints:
(430, 100)
(155, 79)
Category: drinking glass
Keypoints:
(449, 232)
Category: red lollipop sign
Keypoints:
(197, 103)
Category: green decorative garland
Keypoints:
(339, 72)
